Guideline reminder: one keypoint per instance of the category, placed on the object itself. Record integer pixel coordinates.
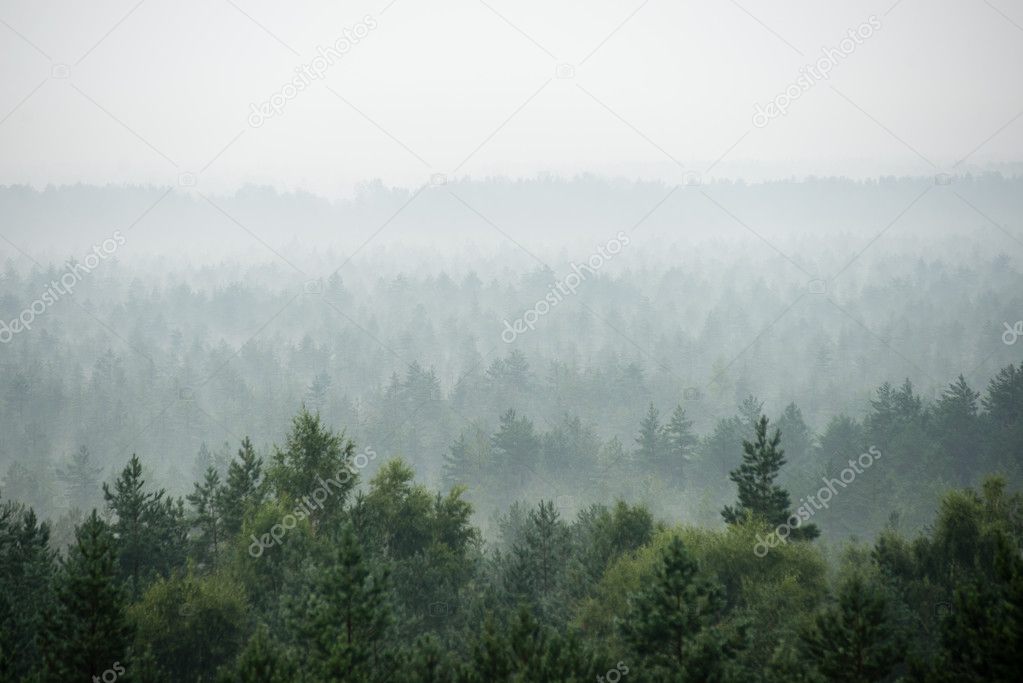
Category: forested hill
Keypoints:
(293, 567)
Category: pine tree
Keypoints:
(203, 461)
(759, 496)
(854, 640)
(207, 501)
(86, 632)
(244, 490)
(680, 444)
(26, 572)
(344, 618)
(456, 462)
(262, 661)
(750, 411)
(544, 549)
(313, 453)
(675, 624)
(958, 428)
(1004, 419)
(149, 529)
(516, 448)
(651, 442)
(81, 480)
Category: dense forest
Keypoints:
(728, 461)
(289, 565)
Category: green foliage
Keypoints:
(675, 624)
(759, 497)
(207, 502)
(85, 631)
(343, 618)
(192, 624)
(244, 490)
(313, 457)
(26, 570)
(149, 528)
(855, 640)
(263, 660)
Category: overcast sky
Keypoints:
(144, 92)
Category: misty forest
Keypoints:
(575, 409)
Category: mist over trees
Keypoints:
(741, 456)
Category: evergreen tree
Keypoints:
(516, 448)
(312, 454)
(81, 480)
(344, 618)
(262, 661)
(244, 490)
(86, 632)
(854, 641)
(958, 428)
(207, 501)
(456, 462)
(675, 624)
(759, 496)
(149, 528)
(26, 571)
(545, 548)
(798, 437)
(680, 445)
(750, 411)
(651, 443)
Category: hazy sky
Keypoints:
(143, 92)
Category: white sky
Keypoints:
(164, 85)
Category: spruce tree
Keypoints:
(26, 573)
(651, 444)
(149, 528)
(86, 632)
(674, 625)
(244, 489)
(516, 449)
(680, 442)
(344, 618)
(855, 640)
(958, 429)
(759, 496)
(313, 454)
(207, 502)
(81, 480)
(263, 660)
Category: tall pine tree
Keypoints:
(759, 496)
